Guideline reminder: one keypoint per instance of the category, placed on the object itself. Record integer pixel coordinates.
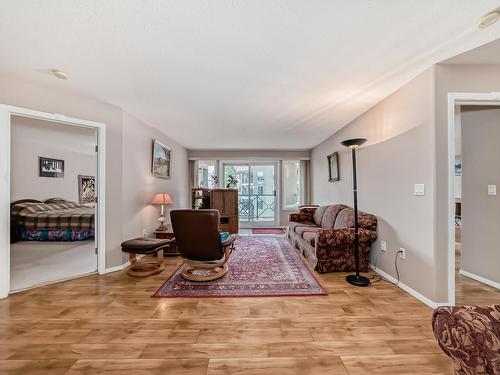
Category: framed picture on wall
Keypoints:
(86, 189)
(161, 160)
(50, 167)
(333, 167)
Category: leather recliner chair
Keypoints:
(198, 240)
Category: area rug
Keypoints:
(267, 231)
(261, 266)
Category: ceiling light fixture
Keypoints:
(489, 19)
(59, 74)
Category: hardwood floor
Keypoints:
(109, 324)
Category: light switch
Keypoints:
(419, 189)
(492, 190)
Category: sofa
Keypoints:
(470, 335)
(325, 237)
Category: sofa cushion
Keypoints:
(293, 225)
(330, 215)
(318, 215)
(345, 219)
(310, 238)
(302, 230)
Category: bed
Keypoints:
(55, 219)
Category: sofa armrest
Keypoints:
(470, 335)
(305, 215)
(342, 239)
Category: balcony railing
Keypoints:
(260, 207)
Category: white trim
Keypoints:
(6, 111)
(406, 288)
(4, 203)
(455, 99)
(481, 279)
(116, 268)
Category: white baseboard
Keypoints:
(481, 279)
(116, 268)
(409, 290)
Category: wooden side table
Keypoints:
(167, 234)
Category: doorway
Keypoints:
(473, 208)
(257, 191)
(8, 114)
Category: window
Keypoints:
(291, 184)
(206, 175)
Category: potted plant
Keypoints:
(231, 181)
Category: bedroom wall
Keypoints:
(398, 154)
(34, 138)
(140, 186)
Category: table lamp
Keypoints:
(161, 199)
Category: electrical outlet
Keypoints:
(144, 232)
(402, 253)
(383, 245)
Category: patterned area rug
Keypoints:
(267, 231)
(260, 266)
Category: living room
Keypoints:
(274, 187)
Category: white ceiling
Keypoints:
(254, 74)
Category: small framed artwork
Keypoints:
(86, 189)
(161, 160)
(458, 165)
(50, 167)
(333, 167)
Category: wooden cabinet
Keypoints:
(223, 200)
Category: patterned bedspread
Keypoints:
(53, 216)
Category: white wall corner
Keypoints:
(406, 288)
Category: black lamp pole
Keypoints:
(356, 279)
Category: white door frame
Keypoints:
(6, 112)
(277, 176)
(457, 99)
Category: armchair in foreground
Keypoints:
(199, 242)
(470, 335)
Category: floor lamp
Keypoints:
(356, 279)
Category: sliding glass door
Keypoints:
(256, 184)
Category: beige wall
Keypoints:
(480, 211)
(452, 78)
(33, 138)
(59, 99)
(399, 153)
(139, 185)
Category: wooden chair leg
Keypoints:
(147, 265)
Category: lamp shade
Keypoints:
(162, 198)
(353, 143)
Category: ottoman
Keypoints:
(146, 265)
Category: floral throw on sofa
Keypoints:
(325, 236)
(470, 335)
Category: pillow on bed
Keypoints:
(55, 200)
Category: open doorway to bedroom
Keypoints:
(53, 194)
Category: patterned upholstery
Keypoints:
(329, 245)
(470, 335)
